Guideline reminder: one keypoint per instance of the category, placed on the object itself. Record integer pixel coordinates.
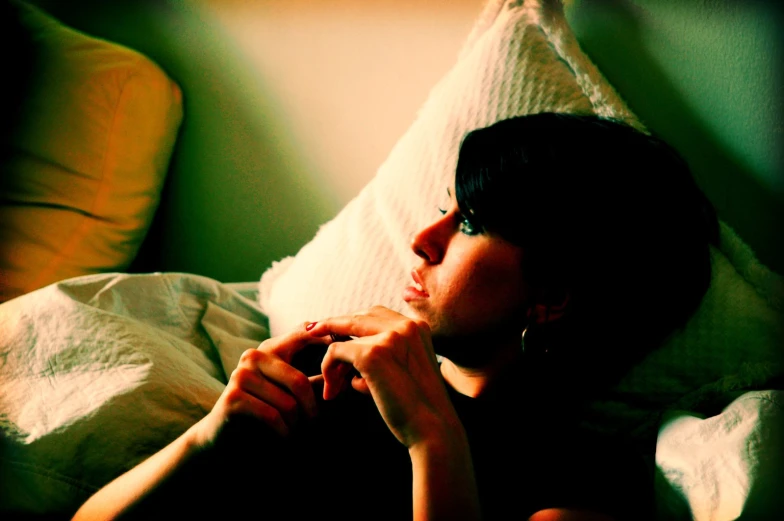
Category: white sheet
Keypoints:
(722, 466)
(99, 372)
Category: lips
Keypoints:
(417, 290)
(418, 282)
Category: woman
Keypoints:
(582, 236)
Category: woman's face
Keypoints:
(468, 282)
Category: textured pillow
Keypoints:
(523, 59)
(732, 343)
(518, 59)
(725, 466)
(84, 167)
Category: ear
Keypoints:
(549, 306)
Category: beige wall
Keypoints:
(346, 76)
(291, 106)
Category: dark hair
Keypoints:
(602, 210)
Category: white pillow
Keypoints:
(732, 343)
(720, 467)
(522, 59)
(517, 60)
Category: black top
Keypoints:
(346, 464)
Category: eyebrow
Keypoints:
(448, 192)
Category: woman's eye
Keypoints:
(464, 224)
(468, 228)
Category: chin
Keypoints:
(415, 314)
(474, 348)
(463, 351)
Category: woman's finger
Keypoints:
(349, 325)
(283, 375)
(316, 382)
(244, 403)
(286, 345)
(335, 377)
(366, 323)
(252, 383)
(340, 365)
(360, 384)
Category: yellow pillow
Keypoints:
(86, 163)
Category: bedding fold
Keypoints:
(99, 372)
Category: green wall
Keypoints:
(703, 74)
(707, 76)
(238, 196)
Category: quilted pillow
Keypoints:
(732, 344)
(83, 169)
(522, 59)
(518, 59)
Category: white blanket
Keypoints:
(723, 466)
(99, 372)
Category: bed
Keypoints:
(100, 367)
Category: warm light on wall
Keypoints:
(347, 76)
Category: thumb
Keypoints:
(359, 384)
(317, 383)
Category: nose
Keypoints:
(430, 242)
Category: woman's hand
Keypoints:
(264, 386)
(397, 367)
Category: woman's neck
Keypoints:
(475, 381)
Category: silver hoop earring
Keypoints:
(522, 340)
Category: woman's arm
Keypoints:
(565, 514)
(398, 368)
(264, 386)
(137, 486)
(444, 485)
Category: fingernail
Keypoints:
(310, 326)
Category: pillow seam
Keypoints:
(101, 197)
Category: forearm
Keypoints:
(135, 488)
(444, 483)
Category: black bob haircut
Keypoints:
(603, 211)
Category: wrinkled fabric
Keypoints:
(723, 466)
(99, 372)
